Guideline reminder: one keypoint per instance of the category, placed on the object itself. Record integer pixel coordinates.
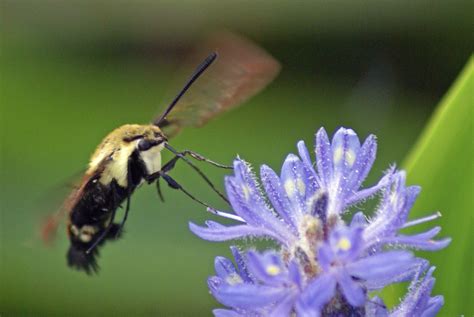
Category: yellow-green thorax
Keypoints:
(112, 154)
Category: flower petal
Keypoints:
(241, 264)
(433, 307)
(352, 290)
(238, 194)
(226, 313)
(393, 211)
(409, 273)
(307, 311)
(318, 292)
(294, 182)
(324, 157)
(383, 265)
(358, 196)
(284, 306)
(344, 146)
(375, 307)
(294, 274)
(247, 201)
(418, 301)
(363, 163)
(277, 196)
(418, 243)
(248, 296)
(312, 177)
(359, 220)
(214, 283)
(223, 266)
(218, 232)
(325, 256)
(346, 242)
(267, 268)
(304, 155)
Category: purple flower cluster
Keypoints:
(323, 267)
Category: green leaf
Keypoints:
(441, 162)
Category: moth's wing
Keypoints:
(241, 70)
(50, 224)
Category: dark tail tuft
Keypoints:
(79, 259)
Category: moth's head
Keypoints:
(144, 137)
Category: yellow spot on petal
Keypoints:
(246, 191)
(350, 157)
(290, 187)
(273, 270)
(233, 279)
(344, 244)
(337, 156)
(393, 198)
(301, 186)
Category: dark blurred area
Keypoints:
(71, 71)
(420, 45)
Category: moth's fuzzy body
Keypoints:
(119, 164)
(131, 153)
(117, 151)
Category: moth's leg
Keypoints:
(175, 185)
(196, 156)
(129, 195)
(158, 190)
(170, 164)
(156, 177)
(181, 155)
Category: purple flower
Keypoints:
(323, 266)
(342, 166)
(344, 263)
(417, 302)
(300, 192)
(392, 214)
(262, 284)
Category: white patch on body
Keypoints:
(74, 230)
(85, 233)
(152, 159)
(117, 168)
(85, 237)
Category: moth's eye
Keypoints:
(144, 145)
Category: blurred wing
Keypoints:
(50, 224)
(241, 70)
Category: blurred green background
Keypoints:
(70, 72)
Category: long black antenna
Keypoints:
(199, 70)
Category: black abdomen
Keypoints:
(89, 219)
(91, 216)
